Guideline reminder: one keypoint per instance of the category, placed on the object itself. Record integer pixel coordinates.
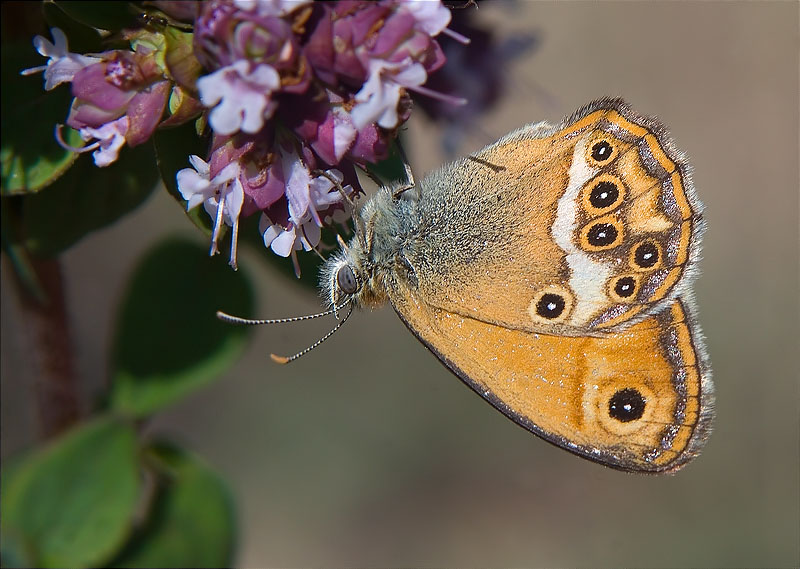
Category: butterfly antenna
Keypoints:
(250, 322)
(286, 360)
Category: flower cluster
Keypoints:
(296, 95)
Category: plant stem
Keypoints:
(45, 318)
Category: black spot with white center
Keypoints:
(601, 151)
(626, 405)
(550, 305)
(602, 235)
(604, 194)
(625, 287)
(646, 255)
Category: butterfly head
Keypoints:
(349, 276)
(341, 280)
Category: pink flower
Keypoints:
(324, 124)
(284, 241)
(63, 65)
(381, 49)
(222, 197)
(307, 194)
(262, 33)
(123, 85)
(240, 95)
(270, 7)
(264, 182)
(372, 143)
(431, 17)
(109, 140)
(296, 93)
(379, 97)
(309, 201)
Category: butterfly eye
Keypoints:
(646, 255)
(346, 279)
(626, 405)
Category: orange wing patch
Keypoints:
(630, 400)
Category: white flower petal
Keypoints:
(270, 233)
(263, 224)
(310, 236)
(270, 7)
(246, 5)
(211, 206)
(284, 243)
(298, 179)
(410, 76)
(63, 65)
(212, 87)
(64, 69)
(265, 76)
(200, 165)
(60, 39)
(111, 137)
(368, 101)
(240, 96)
(234, 201)
(193, 187)
(344, 132)
(253, 110)
(225, 119)
(227, 174)
(432, 17)
(55, 50)
(323, 194)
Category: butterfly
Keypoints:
(552, 273)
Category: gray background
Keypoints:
(368, 452)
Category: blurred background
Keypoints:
(368, 452)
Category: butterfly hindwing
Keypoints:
(639, 400)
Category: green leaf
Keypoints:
(70, 504)
(173, 148)
(81, 38)
(192, 521)
(168, 340)
(84, 199)
(30, 157)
